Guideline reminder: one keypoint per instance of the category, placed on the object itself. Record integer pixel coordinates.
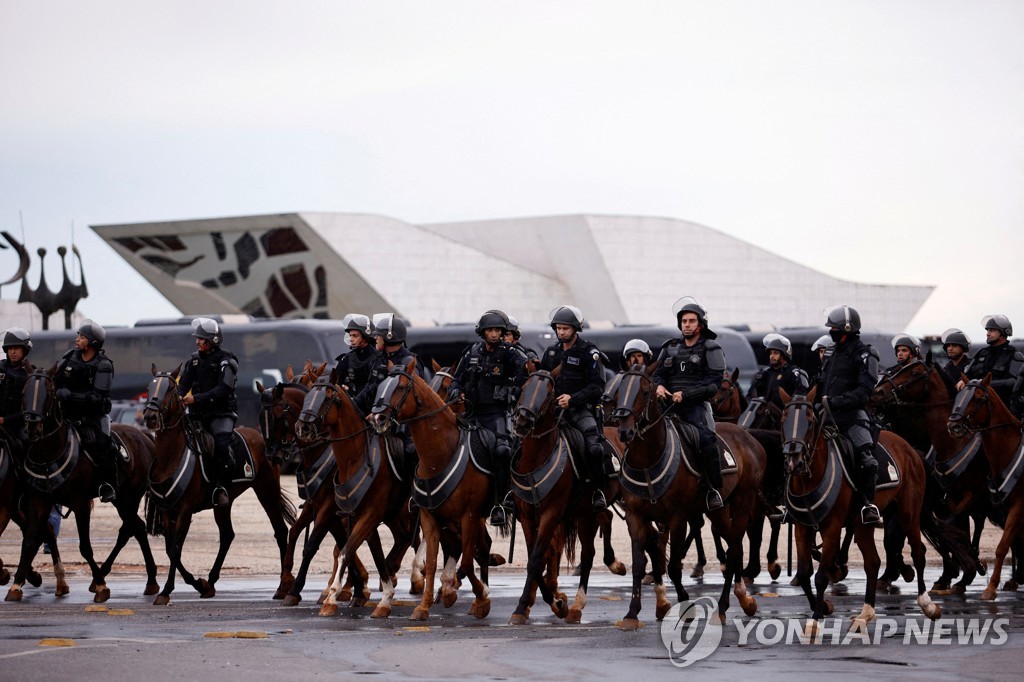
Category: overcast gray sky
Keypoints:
(874, 141)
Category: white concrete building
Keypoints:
(626, 269)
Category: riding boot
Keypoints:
(107, 469)
(866, 479)
(598, 479)
(503, 505)
(225, 473)
(712, 475)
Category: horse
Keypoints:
(178, 491)
(978, 409)
(820, 499)
(552, 502)
(452, 493)
(919, 404)
(372, 487)
(728, 403)
(280, 408)
(58, 473)
(660, 485)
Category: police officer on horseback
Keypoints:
(390, 333)
(14, 371)
(488, 377)
(354, 367)
(907, 348)
(512, 336)
(690, 372)
(207, 387)
(957, 346)
(637, 352)
(848, 376)
(83, 380)
(780, 372)
(1002, 360)
(578, 389)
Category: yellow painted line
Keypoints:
(56, 641)
(618, 624)
(768, 594)
(417, 628)
(611, 597)
(120, 612)
(251, 634)
(219, 635)
(403, 602)
(96, 608)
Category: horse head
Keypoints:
(909, 384)
(972, 409)
(390, 404)
(441, 381)
(317, 415)
(535, 401)
(279, 408)
(727, 403)
(799, 431)
(39, 401)
(633, 397)
(164, 408)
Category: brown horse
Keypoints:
(728, 403)
(821, 500)
(659, 485)
(978, 409)
(372, 487)
(178, 491)
(452, 493)
(60, 472)
(918, 404)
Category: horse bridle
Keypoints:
(966, 397)
(897, 389)
(37, 415)
(726, 391)
(804, 438)
(268, 421)
(386, 391)
(158, 403)
(633, 388)
(532, 415)
(321, 397)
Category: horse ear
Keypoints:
(928, 359)
(289, 374)
(786, 397)
(152, 368)
(176, 372)
(735, 375)
(437, 367)
(987, 380)
(651, 369)
(52, 372)
(319, 368)
(812, 394)
(334, 374)
(531, 366)
(308, 366)
(259, 385)
(556, 371)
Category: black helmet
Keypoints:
(1000, 322)
(637, 346)
(909, 341)
(513, 326)
(94, 333)
(688, 304)
(824, 341)
(843, 317)
(206, 328)
(955, 337)
(780, 343)
(569, 315)
(492, 319)
(389, 327)
(17, 336)
(354, 322)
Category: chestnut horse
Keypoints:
(372, 487)
(452, 493)
(821, 500)
(658, 486)
(178, 491)
(60, 472)
(979, 409)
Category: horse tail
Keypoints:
(948, 539)
(570, 529)
(154, 517)
(288, 511)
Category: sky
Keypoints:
(880, 142)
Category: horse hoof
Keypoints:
(517, 619)
(13, 595)
(1009, 586)
(291, 600)
(840, 572)
(320, 600)
(560, 606)
(205, 589)
(574, 617)
(617, 567)
(345, 595)
(280, 594)
(940, 587)
(982, 567)
(907, 573)
(62, 590)
(748, 581)
(661, 609)
(162, 600)
(416, 586)
(648, 579)
(958, 589)
(697, 572)
(480, 608)
(92, 587)
(989, 594)
(795, 582)
(358, 603)
(102, 594)
(5, 576)
(774, 570)
(34, 579)
(577, 572)
(496, 560)
(629, 624)
(882, 585)
(328, 609)
(381, 612)
(151, 589)
(419, 613)
(829, 608)
(721, 617)
(448, 597)
(749, 606)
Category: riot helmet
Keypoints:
(824, 342)
(94, 333)
(843, 318)
(1001, 323)
(354, 322)
(389, 327)
(911, 342)
(568, 315)
(780, 343)
(513, 327)
(207, 329)
(955, 337)
(492, 319)
(688, 304)
(17, 336)
(637, 346)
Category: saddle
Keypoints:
(888, 475)
(690, 436)
(244, 466)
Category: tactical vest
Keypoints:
(581, 369)
(206, 372)
(79, 376)
(685, 367)
(485, 376)
(355, 367)
(12, 385)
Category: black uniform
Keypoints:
(951, 372)
(211, 377)
(83, 390)
(490, 380)
(399, 357)
(582, 378)
(527, 352)
(696, 371)
(1005, 363)
(354, 368)
(12, 385)
(788, 377)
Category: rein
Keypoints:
(58, 413)
(157, 404)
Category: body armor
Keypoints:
(582, 376)
(767, 383)
(1005, 363)
(490, 378)
(211, 378)
(12, 385)
(695, 370)
(354, 368)
(84, 386)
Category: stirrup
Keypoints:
(869, 515)
(220, 497)
(778, 514)
(498, 517)
(107, 492)
(598, 501)
(508, 503)
(713, 500)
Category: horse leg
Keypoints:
(5, 518)
(696, 527)
(472, 529)
(586, 531)
(532, 535)
(841, 569)
(138, 524)
(774, 569)
(431, 540)
(226, 534)
(1010, 530)
(755, 532)
(309, 550)
(286, 588)
(804, 562)
(175, 549)
(893, 538)
(614, 565)
(638, 529)
(31, 539)
(910, 519)
(367, 532)
(416, 579)
(82, 514)
(865, 536)
(830, 543)
(675, 573)
(268, 492)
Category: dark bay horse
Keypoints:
(372, 486)
(978, 409)
(659, 485)
(61, 472)
(822, 500)
(728, 403)
(178, 490)
(553, 503)
(453, 494)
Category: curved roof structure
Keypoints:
(626, 269)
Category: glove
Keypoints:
(63, 394)
(453, 394)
